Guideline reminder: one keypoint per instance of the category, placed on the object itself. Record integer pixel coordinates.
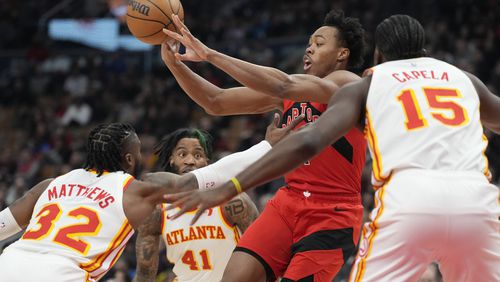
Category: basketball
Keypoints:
(147, 18)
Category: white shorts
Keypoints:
(21, 266)
(422, 216)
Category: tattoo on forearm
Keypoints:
(147, 249)
(149, 246)
(235, 207)
(242, 211)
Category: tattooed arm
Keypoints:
(241, 211)
(147, 248)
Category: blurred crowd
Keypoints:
(52, 93)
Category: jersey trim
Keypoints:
(97, 262)
(117, 256)
(379, 203)
(127, 182)
(377, 157)
(226, 221)
(486, 170)
(93, 171)
(163, 221)
(237, 235)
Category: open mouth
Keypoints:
(188, 169)
(307, 63)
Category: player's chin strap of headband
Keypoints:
(8, 224)
(220, 172)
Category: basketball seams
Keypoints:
(172, 9)
(143, 19)
(151, 34)
(179, 6)
(148, 28)
(157, 7)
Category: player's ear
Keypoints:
(343, 54)
(129, 160)
(378, 58)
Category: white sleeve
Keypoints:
(8, 224)
(221, 171)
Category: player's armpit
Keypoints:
(241, 211)
(147, 248)
(489, 105)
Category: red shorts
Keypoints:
(303, 236)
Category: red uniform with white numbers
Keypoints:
(312, 224)
(77, 231)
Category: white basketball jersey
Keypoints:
(80, 217)
(199, 252)
(423, 113)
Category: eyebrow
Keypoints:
(319, 35)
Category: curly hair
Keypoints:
(351, 35)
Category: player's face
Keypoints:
(323, 53)
(133, 157)
(188, 155)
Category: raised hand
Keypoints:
(199, 199)
(274, 132)
(196, 51)
(168, 50)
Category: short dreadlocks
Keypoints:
(165, 148)
(105, 146)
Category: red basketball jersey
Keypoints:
(337, 169)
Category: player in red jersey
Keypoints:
(312, 224)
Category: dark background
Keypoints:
(53, 92)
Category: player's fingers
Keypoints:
(179, 23)
(173, 198)
(295, 122)
(276, 120)
(175, 21)
(182, 211)
(174, 35)
(187, 34)
(199, 212)
(182, 57)
(176, 45)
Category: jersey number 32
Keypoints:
(67, 235)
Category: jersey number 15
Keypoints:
(434, 96)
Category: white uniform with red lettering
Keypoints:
(199, 252)
(434, 201)
(77, 231)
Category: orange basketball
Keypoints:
(147, 18)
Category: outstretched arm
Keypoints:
(216, 100)
(489, 105)
(17, 216)
(270, 81)
(147, 248)
(345, 111)
(141, 197)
